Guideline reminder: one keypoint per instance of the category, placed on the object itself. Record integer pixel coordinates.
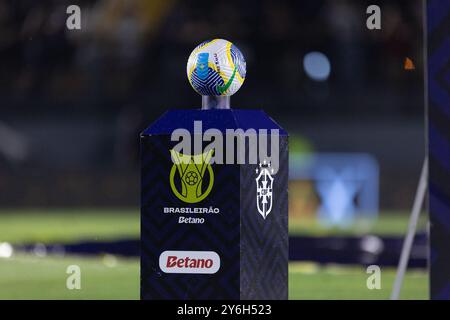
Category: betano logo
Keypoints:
(191, 172)
(203, 262)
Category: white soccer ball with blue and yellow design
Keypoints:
(216, 68)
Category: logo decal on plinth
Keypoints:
(200, 262)
(191, 171)
(264, 190)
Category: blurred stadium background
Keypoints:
(72, 104)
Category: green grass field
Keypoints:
(24, 226)
(107, 277)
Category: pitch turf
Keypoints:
(107, 277)
(28, 277)
(66, 225)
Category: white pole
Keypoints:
(407, 244)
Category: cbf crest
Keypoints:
(264, 188)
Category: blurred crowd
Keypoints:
(72, 102)
(132, 54)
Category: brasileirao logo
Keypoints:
(189, 170)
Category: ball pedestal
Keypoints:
(214, 201)
(215, 102)
(221, 247)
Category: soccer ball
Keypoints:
(216, 68)
(191, 178)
